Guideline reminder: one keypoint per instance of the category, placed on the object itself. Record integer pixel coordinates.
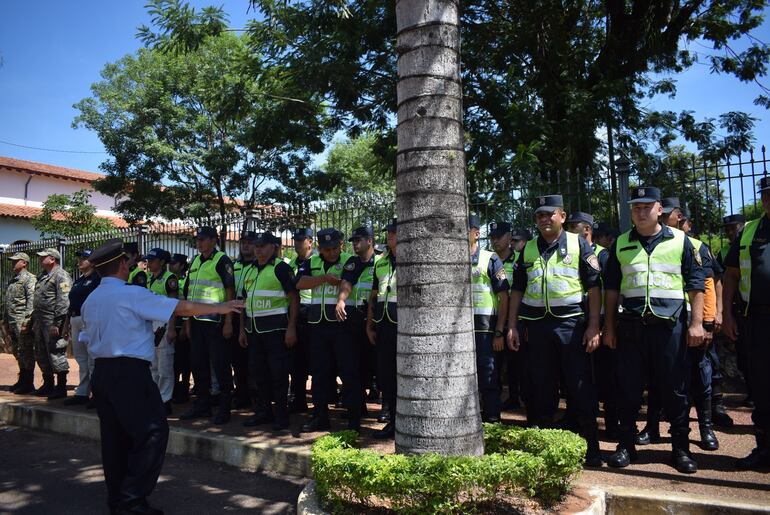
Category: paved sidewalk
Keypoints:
(288, 452)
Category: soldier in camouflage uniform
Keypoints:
(18, 326)
(49, 316)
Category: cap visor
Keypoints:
(546, 209)
(643, 200)
(329, 244)
(496, 234)
(41, 254)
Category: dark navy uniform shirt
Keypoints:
(692, 271)
(354, 267)
(80, 291)
(589, 276)
(760, 262)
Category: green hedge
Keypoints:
(536, 463)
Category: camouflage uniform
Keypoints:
(18, 311)
(51, 306)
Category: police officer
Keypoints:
(353, 300)
(19, 298)
(182, 370)
(239, 354)
(81, 289)
(329, 340)
(550, 277)
(48, 319)
(165, 283)
(605, 235)
(603, 358)
(733, 224)
(210, 280)
(303, 247)
(137, 274)
(501, 238)
(490, 307)
(653, 267)
(382, 326)
(519, 239)
(132, 419)
(269, 329)
(748, 272)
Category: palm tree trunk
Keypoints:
(438, 405)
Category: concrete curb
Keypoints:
(231, 450)
(623, 500)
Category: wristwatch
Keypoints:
(499, 334)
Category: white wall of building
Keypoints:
(14, 229)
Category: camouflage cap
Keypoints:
(20, 256)
(50, 252)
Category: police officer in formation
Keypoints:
(210, 281)
(748, 272)
(19, 298)
(490, 286)
(353, 299)
(239, 354)
(552, 273)
(182, 370)
(330, 342)
(300, 368)
(163, 282)
(81, 289)
(269, 329)
(51, 305)
(137, 275)
(653, 268)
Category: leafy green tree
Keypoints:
(356, 166)
(201, 132)
(69, 215)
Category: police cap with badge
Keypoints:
(644, 195)
(179, 258)
(549, 203)
(158, 253)
(521, 234)
(577, 217)
(85, 253)
(303, 233)
(262, 238)
(733, 220)
(328, 238)
(206, 232)
(497, 229)
(361, 232)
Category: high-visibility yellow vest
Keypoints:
(324, 296)
(652, 283)
(359, 294)
(205, 284)
(744, 261)
(387, 290)
(158, 285)
(304, 295)
(484, 297)
(181, 282)
(133, 273)
(265, 297)
(553, 287)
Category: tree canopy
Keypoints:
(69, 215)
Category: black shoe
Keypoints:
(387, 432)
(720, 418)
(384, 415)
(76, 400)
(142, 508)
(26, 387)
(683, 462)
(511, 403)
(708, 440)
(258, 419)
(16, 385)
(647, 436)
(315, 424)
(374, 394)
(195, 412)
(757, 460)
(46, 388)
(621, 458)
(167, 406)
(593, 460)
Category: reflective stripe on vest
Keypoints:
(264, 295)
(484, 298)
(744, 261)
(205, 284)
(324, 296)
(158, 286)
(387, 291)
(359, 295)
(555, 283)
(652, 276)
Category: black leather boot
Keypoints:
(223, 413)
(15, 385)
(708, 440)
(319, 422)
(27, 380)
(60, 390)
(681, 458)
(46, 388)
(590, 431)
(719, 415)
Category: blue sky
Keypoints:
(52, 51)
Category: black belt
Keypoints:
(646, 319)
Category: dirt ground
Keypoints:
(716, 475)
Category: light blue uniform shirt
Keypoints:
(118, 320)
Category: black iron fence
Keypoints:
(709, 190)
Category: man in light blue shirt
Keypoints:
(118, 334)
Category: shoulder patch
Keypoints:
(501, 275)
(229, 268)
(350, 267)
(65, 286)
(172, 283)
(698, 259)
(594, 262)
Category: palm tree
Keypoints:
(438, 406)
